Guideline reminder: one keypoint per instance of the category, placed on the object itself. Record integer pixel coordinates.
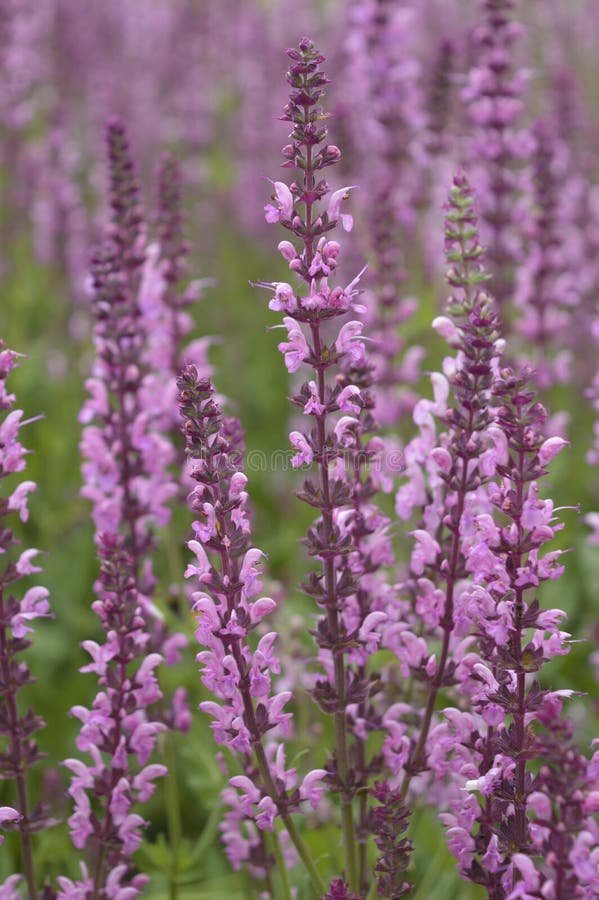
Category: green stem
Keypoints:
(374, 890)
(302, 849)
(173, 812)
(304, 854)
(285, 886)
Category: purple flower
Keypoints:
(127, 477)
(8, 814)
(350, 539)
(548, 283)
(515, 638)
(497, 148)
(387, 121)
(19, 607)
(245, 709)
(445, 472)
(296, 349)
(117, 728)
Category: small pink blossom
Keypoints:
(349, 340)
(305, 454)
(284, 208)
(312, 787)
(333, 209)
(295, 349)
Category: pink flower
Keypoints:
(312, 788)
(143, 739)
(101, 655)
(266, 817)
(349, 340)
(80, 822)
(425, 552)
(346, 400)
(202, 570)
(313, 406)
(249, 572)
(550, 448)
(486, 783)
(8, 814)
(129, 832)
(18, 499)
(34, 605)
(24, 564)
(346, 429)
(492, 859)
(284, 208)
(305, 454)
(333, 209)
(249, 793)
(296, 349)
(284, 298)
(287, 250)
(438, 406)
(143, 782)
(447, 329)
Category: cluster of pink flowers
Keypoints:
(249, 717)
(128, 454)
(390, 144)
(445, 478)
(119, 733)
(18, 609)
(547, 283)
(498, 146)
(350, 538)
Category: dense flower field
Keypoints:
(299, 450)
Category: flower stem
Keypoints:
(285, 886)
(374, 890)
(305, 855)
(298, 842)
(340, 716)
(17, 755)
(173, 812)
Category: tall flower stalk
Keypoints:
(126, 477)
(349, 630)
(366, 467)
(546, 287)
(165, 298)
(117, 732)
(454, 462)
(498, 146)
(515, 638)
(20, 751)
(389, 121)
(248, 718)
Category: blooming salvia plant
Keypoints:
(350, 538)
(390, 142)
(165, 300)
(515, 638)
(445, 476)
(498, 145)
(126, 477)
(19, 607)
(546, 285)
(323, 443)
(249, 717)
